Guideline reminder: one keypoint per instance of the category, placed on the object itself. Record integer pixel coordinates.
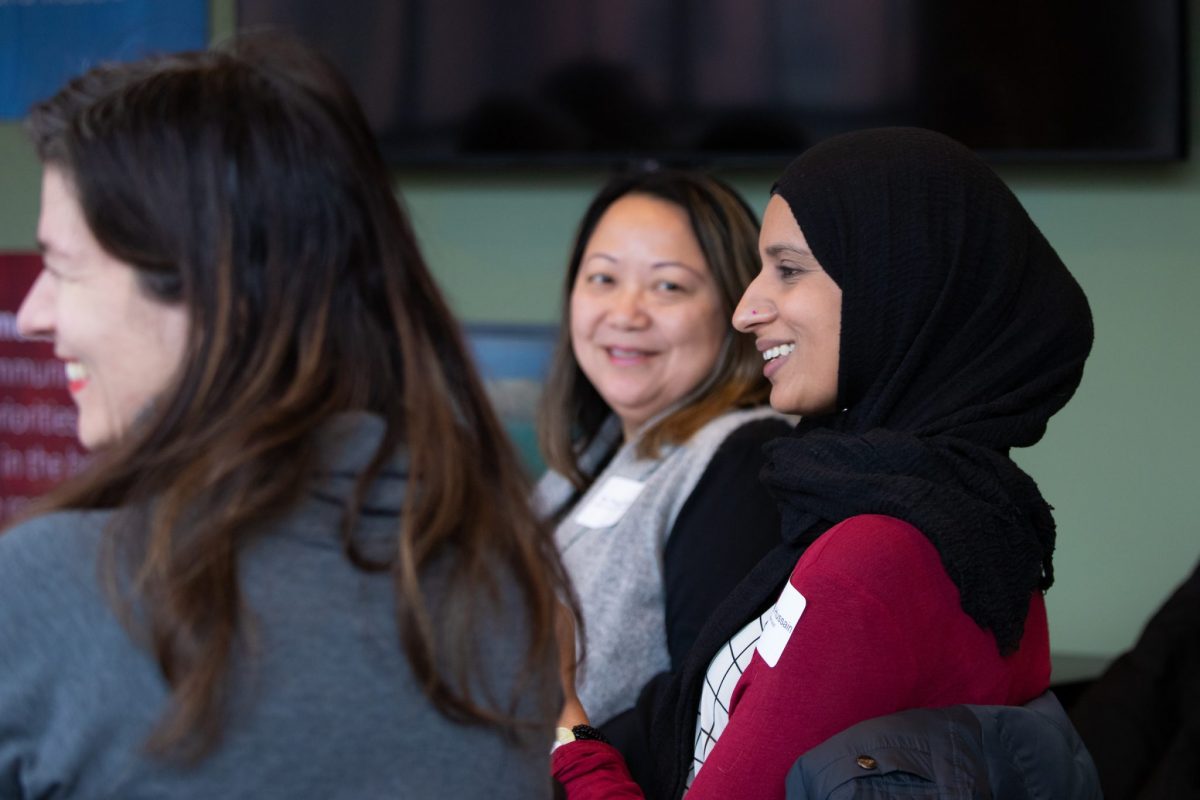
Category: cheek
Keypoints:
(581, 315)
(577, 334)
(697, 340)
(174, 323)
(825, 369)
(831, 339)
(705, 330)
(160, 340)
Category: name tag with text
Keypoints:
(781, 621)
(609, 503)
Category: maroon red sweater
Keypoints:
(882, 630)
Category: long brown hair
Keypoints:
(245, 185)
(572, 411)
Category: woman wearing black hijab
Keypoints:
(911, 311)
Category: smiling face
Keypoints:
(646, 320)
(794, 309)
(120, 347)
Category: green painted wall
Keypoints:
(1118, 463)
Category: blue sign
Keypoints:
(43, 43)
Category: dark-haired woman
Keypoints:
(653, 423)
(302, 562)
(918, 320)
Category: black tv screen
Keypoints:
(750, 82)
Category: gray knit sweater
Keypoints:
(613, 549)
(326, 707)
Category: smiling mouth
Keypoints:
(776, 352)
(77, 375)
(625, 355)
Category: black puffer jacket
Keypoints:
(967, 751)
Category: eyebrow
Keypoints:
(680, 264)
(777, 250)
(655, 265)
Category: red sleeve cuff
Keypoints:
(591, 770)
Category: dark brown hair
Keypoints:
(572, 411)
(245, 185)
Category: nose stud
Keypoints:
(754, 312)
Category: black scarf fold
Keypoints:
(985, 516)
(962, 334)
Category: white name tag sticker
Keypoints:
(781, 621)
(609, 503)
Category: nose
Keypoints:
(35, 317)
(753, 309)
(627, 309)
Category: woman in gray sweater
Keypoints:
(301, 562)
(653, 422)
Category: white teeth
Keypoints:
(75, 371)
(776, 352)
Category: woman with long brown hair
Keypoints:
(301, 562)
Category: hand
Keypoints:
(572, 712)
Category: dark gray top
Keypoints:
(326, 707)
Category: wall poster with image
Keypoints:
(38, 445)
(513, 360)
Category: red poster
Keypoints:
(38, 447)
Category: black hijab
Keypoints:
(962, 333)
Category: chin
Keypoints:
(90, 443)
(784, 405)
(93, 439)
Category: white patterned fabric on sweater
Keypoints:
(723, 673)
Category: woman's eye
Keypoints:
(788, 273)
(54, 273)
(669, 286)
(599, 278)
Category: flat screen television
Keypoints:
(750, 82)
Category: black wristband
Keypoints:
(587, 732)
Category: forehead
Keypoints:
(779, 227)
(61, 226)
(641, 221)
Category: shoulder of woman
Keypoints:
(875, 549)
(48, 547)
(739, 457)
(759, 429)
(744, 429)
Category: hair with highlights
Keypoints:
(244, 184)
